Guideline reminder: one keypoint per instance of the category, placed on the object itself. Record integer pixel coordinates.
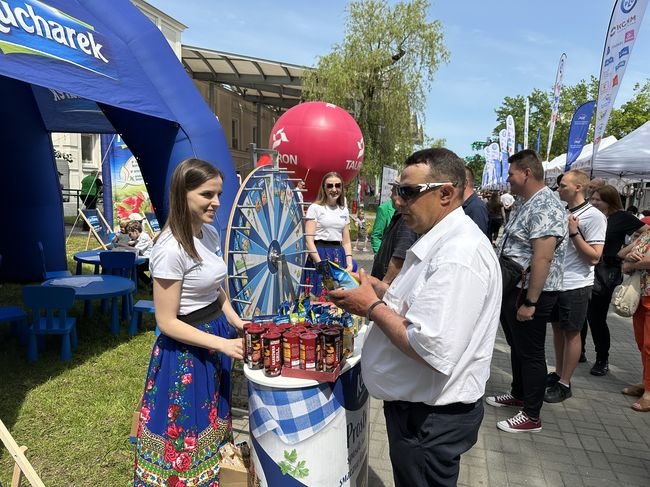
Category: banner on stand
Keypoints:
(526, 120)
(555, 107)
(388, 176)
(623, 29)
(128, 188)
(578, 132)
(503, 152)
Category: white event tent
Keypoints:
(627, 159)
(555, 167)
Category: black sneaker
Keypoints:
(583, 358)
(557, 393)
(552, 379)
(600, 368)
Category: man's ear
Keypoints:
(448, 193)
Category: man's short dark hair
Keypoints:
(444, 165)
(469, 173)
(528, 159)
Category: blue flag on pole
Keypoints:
(539, 140)
(578, 131)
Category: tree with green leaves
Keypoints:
(622, 121)
(476, 163)
(380, 74)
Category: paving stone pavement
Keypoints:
(592, 439)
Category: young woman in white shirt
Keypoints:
(327, 230)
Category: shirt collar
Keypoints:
(429, 240)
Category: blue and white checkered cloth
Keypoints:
(293, 414)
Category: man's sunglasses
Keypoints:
(411, 191)
(333, 185)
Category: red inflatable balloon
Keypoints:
(315, 138)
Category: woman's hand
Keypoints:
(634, 256)
(233, 347)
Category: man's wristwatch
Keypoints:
(528, 303)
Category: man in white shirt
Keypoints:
(427, 353)
(587, 227)
(507, 200)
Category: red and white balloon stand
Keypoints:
(314, 138)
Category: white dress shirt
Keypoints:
(449, 291)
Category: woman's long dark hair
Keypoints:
(188, 175)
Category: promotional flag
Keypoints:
(539, 140)
(622, 32)
(578, 132)
(555, 107)
(129, 192)
(492, 157)
(526, 117)
(503, 145)
(510, 127)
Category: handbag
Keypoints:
(512, 273)
(626, 296)
(606, 278)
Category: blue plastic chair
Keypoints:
(49, 307)
(122, 264)
(17, 318)
(50, 274)
(141, 307)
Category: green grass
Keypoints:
(74, 417)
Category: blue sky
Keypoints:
(498, 48)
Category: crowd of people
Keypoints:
(437, 251)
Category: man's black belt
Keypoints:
(453, 408)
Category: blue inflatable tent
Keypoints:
(89, 66)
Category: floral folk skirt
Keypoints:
(333, 253)
(185, 416)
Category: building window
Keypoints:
(254, 134)
(88, 142)
(235, 134)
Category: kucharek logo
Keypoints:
(35, 28)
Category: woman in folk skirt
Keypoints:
(185, 415)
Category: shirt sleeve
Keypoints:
(312, 212)
(379, 227)
(167, 261)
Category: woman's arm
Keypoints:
(230, 313)
(347, 246)
(167, 300)
(310, 230)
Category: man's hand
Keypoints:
(525, 313)
(356, 301)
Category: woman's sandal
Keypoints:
(634, 391)
(641, 406)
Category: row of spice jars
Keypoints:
(300, 346)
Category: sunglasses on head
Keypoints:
(333, 185)
(411, 191)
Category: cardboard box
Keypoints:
(313, 374)
(233, 471)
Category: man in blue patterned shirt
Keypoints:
(535, 238)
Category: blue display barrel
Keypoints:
(308, 433)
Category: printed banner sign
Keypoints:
(555, 107)
(526, 120)
(128, 188)
(622, 32)
(578, 132)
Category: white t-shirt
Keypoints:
(201, 280)
(449, 291)
(507, 200)
(329, 221)
(592, 225)
(144, 244)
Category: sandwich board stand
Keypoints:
(303, 431)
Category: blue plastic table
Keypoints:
(91, 287)
(92, 257)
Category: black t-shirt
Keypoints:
(397, 239)
(619, 225)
